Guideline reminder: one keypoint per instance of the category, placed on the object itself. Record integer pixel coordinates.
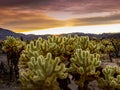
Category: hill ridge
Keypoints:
(6, 32)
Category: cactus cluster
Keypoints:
(57, 46)
(107, 48)
(111, 79)
(64, 47)
(45, 60)
(35, 49)
(85, 65)
(42, 73)
(12, 44)
(85, 43)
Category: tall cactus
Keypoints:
(42, 73)
(85, 65)
(13, 47)
(116, 45)
(111, 79)
(107, 48)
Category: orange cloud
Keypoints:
(25, 15)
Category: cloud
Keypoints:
(75, 6)
(41, 14)
(110, 19)
(26, 20)
(11, 3)
(28, 23)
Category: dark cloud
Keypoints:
(39, 14)
(111, 19)
(8, 3)
(75, 6)
(91, 6)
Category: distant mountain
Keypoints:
(5, 32)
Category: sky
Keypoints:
(45, 16)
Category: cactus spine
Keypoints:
(42, 73)
(85, 65)
(111, 79)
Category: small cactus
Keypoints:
(111, 79)
(82, 42)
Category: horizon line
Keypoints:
(97, 29)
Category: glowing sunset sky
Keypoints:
(29, 16)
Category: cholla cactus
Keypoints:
(111, 80)
(42, 73)
(116, 45)
(85, 65)
(69, 45)
(64, 45)
(59, 42)
(55, 39)
(13, 44)
(58, 46)
(35, 49)
(107, 48)
(94, 47)
(13, 47)
(82, 42)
